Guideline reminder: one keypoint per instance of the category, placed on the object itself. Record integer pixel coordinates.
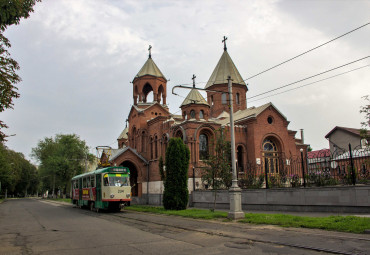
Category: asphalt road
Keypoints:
(29, 226)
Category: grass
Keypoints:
(350, 224)
(189, 213)
(68, 200)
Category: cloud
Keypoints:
(78, 57)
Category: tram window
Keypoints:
(83, 182)
(118, 180)
(88, 184)
(106, 181)
(92, 181)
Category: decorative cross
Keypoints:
(193, 80)
(224, 41)
(150, 51)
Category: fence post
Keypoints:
(304, 179)
(352, 167)
(266, 178)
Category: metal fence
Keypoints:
(342, 167)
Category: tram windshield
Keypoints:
(118, 180)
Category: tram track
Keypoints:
(243, 238)
(246, 240)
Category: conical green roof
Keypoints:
(150, 68)
(224, 68)
(194, 97)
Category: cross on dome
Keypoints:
(193, 80)
(150, 51)
(224, 42)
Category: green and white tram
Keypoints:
(105, 188)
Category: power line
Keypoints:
(286, 61)
(308, 51)
(310, 83)
(307, 78)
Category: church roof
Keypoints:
(118, 152)
(194, 97)
(150, 68)
(123, 133)
(223, 69)
(248, 113)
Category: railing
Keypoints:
(349, 167)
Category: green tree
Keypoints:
(176, 196)
(60, 159)
(17, 175)
(217, 174)
(365, 110)
(11, 12)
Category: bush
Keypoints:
(176, 196)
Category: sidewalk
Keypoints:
(309, 214)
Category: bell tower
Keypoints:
(149, 79)
(219, 101)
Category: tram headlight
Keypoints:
(111, 195)
(127, 195)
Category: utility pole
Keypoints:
(235, 192)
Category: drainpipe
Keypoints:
(147, 184)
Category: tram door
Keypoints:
(98, 187)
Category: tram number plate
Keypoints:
(121, 191)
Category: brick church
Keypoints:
(261, 133)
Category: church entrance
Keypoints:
(271, 156)
(133, 177)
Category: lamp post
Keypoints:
(304, 180)
(235, 192)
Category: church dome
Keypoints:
(224, 68)
(150, 68)
(194, 97)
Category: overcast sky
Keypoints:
(78, 57)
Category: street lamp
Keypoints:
(304, 180)
(235, 192)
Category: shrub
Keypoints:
(176, 196)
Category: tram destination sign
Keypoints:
(121, 170)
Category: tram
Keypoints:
(105, 188)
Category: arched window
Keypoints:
(212, 100)
(201, 114)
(151, 147)
(203, 146)
(179, 134)
(134, 137)
(271, 156)
(160, 93)
(237, 98)
(165, 143)
(192, 114)
(155, 147)
(147, 89)
(224, 98)
(143, 141)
